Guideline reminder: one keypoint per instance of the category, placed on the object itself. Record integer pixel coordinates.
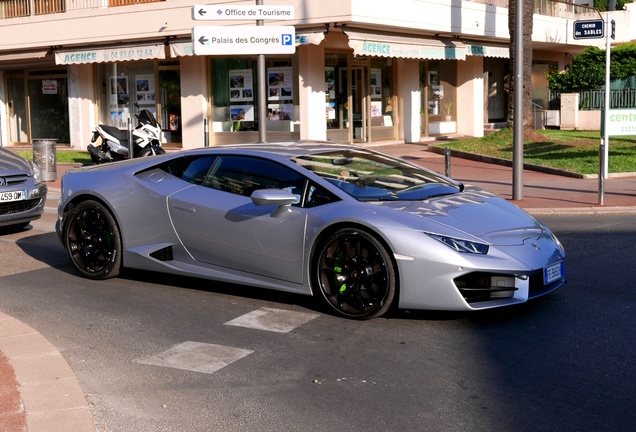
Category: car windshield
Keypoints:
(372, 176)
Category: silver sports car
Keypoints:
(359, 228)
(22, 193)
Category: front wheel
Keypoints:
(355, 274)
(92, 241)
(148, 151)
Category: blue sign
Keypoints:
(589, 29)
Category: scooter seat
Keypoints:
(121, 135)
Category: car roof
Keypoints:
(286, 149)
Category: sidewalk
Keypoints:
(44, 394)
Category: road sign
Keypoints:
(236, 40)
(589, 29)
(241, 13)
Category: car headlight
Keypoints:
(37, 174)
(461, 245)
(547, 234)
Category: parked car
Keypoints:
(361, 229)
(22, 192)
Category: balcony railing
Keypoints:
(24, 8)
(555, 8)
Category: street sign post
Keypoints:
(229, 12)
(589, 29)
(243, 40)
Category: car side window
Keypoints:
(242, 175)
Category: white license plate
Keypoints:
(552, 273)
(18, 195)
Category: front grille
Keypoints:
(19, 206)
(14, 180)
(478, 286)
(537, 288)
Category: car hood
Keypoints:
(11, 163)
(472, 214)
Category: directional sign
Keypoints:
(221, 40)
(589, 29)
(236, 13)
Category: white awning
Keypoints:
(111, 54)
(488, 50)
(23, 56)
(380, 45)
(304, 37)
(181, 49)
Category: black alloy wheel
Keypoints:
(355, 274)
(92, 241)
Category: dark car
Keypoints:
(22, 192)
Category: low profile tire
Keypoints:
(355, 274)
(92, 241)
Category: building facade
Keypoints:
(362, 70)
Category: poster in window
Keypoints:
(376, 108)
(376, 83)
(119, 91)
(276, 112)
(242, 113)
(49, 86)
(241, 85)
(145, 89)
(331, 110)
(279, 83)
(330, 82)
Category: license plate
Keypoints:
(18, 195)
(552, 273)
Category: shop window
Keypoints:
(437, 80)
(121, 86)
(235, 95)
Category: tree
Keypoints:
(603, 5)
(529, 131)
(587, 71)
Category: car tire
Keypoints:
(355, 274)
(92, 240)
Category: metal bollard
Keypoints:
(447, 161)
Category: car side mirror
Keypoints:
(273, 197)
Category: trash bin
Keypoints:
(44, 156)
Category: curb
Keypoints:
(51, 395)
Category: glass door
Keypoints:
(359, 104)
(16, 109)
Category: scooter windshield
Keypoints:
(146, 117)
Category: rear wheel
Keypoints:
(92, 241)
(355, 274)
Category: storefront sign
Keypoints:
(488, 51)
(369, 44)
(234, 40)
(621, 122)
(110, 54)
(235, 13)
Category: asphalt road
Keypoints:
(160, 353)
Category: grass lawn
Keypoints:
(63, 156)
(574, 151)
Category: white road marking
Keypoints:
(197, 357)
(275, 320)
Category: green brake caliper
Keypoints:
(338, 269)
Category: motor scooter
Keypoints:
(114, 144)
